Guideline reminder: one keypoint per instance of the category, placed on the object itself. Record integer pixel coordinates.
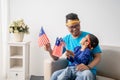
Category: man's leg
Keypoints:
(84, 75)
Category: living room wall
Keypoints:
(3, 37)
(100, 17)
(0, 46)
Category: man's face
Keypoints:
(74, 29)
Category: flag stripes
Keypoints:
(43, 39)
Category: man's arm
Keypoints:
(96, 60)
(47, 47)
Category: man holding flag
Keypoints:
(71, 41)
(59, 44)
(43, 39)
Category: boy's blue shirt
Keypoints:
(80, 56)
(71, 43)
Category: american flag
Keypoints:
(43, 39)
(58, 48)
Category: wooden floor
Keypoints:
(36, 77)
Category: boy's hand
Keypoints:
(69, 53)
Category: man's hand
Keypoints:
(82, 67)
(47, 47)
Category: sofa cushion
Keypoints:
(103, 78)
(109, 65)
(50, 66)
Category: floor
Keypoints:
(36, 77)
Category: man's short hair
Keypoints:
(72, 16)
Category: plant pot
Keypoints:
(18, 37)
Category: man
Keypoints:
(86, 72)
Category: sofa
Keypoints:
(107, 69)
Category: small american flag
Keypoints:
(43, 39)
(58, 48)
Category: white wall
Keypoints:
(0, 45)
(3, 36)
(100, 17)
(0, 56)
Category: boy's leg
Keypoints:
(65, 75)
(84, 75)
(56, 74)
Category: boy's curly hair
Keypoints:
(93, 40)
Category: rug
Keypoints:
(33, 77)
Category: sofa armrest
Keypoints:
(51, 65)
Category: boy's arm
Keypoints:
(97, 58)
(71, 59)
(70, 55)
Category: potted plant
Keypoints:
(18, 28)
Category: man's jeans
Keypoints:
(70, 73)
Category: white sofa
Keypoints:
(108, 68)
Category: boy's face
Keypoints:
(85, 41)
